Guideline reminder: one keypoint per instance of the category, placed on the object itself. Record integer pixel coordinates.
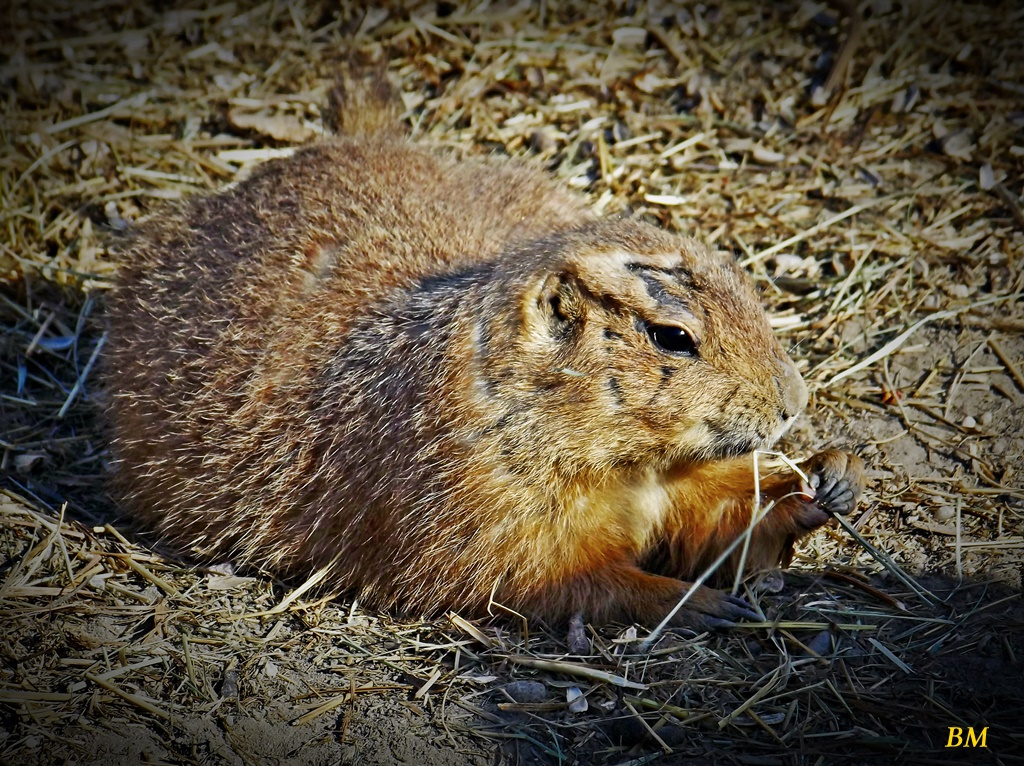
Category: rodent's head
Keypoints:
(648, 347)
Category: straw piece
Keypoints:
(141, 702)
(572, 668)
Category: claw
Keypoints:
(718, 623)
(827, 489)
(714, 609)
(839, 500)
(741, 608)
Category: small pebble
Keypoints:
(821, 643)
(527, 691)
(969, 422)
(229, 686)
(986, 418)
(944, 513)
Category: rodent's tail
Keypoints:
(363, 102)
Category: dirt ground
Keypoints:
(864, 161)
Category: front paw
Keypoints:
(709, 608)
(835, 480)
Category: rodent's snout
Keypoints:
(792, 388)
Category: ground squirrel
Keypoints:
(446, 381)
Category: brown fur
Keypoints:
(435, 378)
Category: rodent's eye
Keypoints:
(672, 339)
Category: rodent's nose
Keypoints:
(793, 389)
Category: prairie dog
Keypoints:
(449, 382)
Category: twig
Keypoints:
(997, 349)
(888, 563)
(100, 114)
(81, 378)
(136, 700)
(900, 339)
(159, 582)
(572, 668)
(292, 597)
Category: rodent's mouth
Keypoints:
(736, 444)
(740, 446)
(784, 425)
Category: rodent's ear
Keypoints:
(561, 298)
(552, 306)
(363, 101)
(614, 272)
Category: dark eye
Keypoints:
(672, 339)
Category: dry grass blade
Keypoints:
(147, 705)
(1011, 366)
(574, 669)
(887, 562)
(893, 345)
(468, 627)
(285, 604)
